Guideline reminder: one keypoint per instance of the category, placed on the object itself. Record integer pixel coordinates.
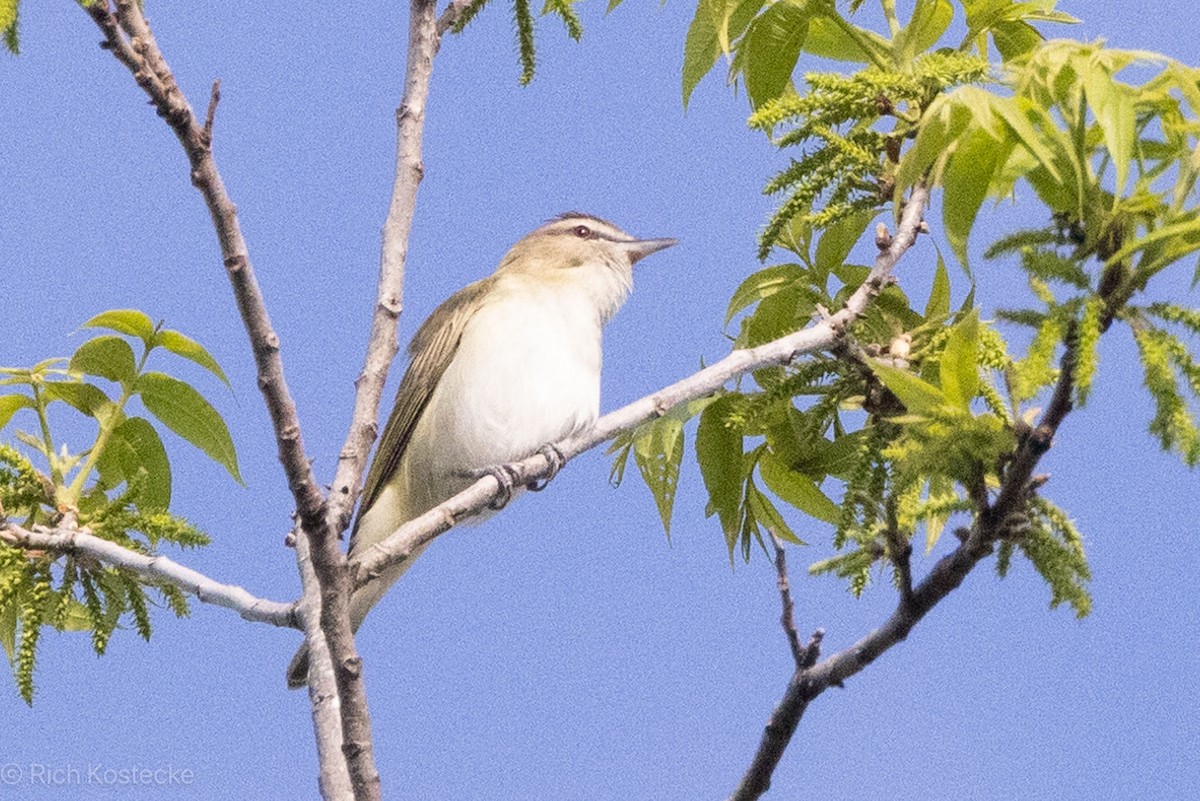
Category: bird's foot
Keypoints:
(505, 476)
(556, 459)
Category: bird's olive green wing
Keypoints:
(431, 350)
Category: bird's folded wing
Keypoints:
(432, 349)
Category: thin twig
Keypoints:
(787, 618)
(382, 342)
(213, 99)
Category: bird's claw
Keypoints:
(556, 461)
(504, 476)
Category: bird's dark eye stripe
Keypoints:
(587, 232)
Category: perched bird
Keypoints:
(504, 367)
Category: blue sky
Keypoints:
(564, 649)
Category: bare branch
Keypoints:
(334, 776)
(787, 618)
(154, 569)
(821, 336)
(382, 345)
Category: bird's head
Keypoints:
(582, 251)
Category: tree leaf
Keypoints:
(938, 305)
(185, 411)
(959, 369)
(188, 348)
(767, 54)
(658, 451)
(765, 513)
(929, 21)
(106, 356)
(135, 448)
(966, 182)
(719, 453)
(1113, 105)
(1016, 38)
(796, 488)
(939, 486)
(9, 405)
(839, 239)
(124, 321)
(829, 37)
(701, 48)
(736, 18)
(919, 397)
(87, 398)
(763, 284)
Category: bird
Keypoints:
(501, 370)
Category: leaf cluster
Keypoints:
(119, 487)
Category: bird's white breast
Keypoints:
(526, 373)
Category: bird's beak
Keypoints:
(641, 248)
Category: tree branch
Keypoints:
(154, 569)
(128, 36)
(424, 37)
(787, 618)
(333, 778)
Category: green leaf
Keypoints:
(1113, 105)
(87, 398)
(765, 513)
(1015, 39)
(124, 321)
(959, 369)
(939, 487)
(106, 356)
(737, 16)
(919, 397)
(763, 284)
(135, 448)
(658, 451)
(9, 405)
(185, 411)
(719, 453)
(938, 306)
(1186, 234)
(188, 348)
(966, 182)
(834, 38)
(797, 489)
(701, 48)
(839, 239)
(767, 54)
(929, 21)
(781, 313)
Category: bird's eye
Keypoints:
(583, 232)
